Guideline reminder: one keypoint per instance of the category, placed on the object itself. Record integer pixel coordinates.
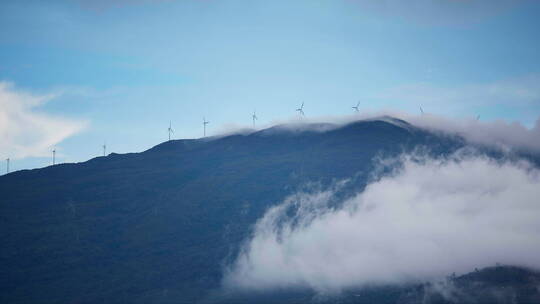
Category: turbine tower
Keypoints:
(301, 110)
(204, 126)
(7, 165)
(104, 148)
(356, 107)
(170, 130)
(254, 117)
(54, 156)
(421, 110)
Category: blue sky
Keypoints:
(83, 72)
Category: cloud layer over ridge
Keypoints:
(427, 220)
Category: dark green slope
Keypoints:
(159, 226)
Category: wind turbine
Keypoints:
(104, 149)
(204, 125)
(7, 163)
(301, 110)
(356, 108)
(170, 130)
(421, 110)
(254, 117)
(54, 156)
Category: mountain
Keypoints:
(159, 226)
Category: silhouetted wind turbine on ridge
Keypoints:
(7, 165)
(356, 107)
(204, 126)
(54, 156)
(170, 130)
(104, 148)
(301, 110)
(254, 117)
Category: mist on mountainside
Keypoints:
(421, 220)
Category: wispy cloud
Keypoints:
(27, 132)
(426, 220)
(500, 134)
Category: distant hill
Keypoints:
(158, 226)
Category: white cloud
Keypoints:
(26, 132)
(428, 219)
(508, 136)
(497, 133)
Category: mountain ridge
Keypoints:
(159, 225)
